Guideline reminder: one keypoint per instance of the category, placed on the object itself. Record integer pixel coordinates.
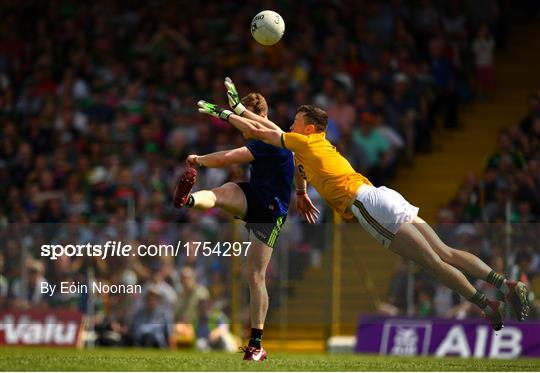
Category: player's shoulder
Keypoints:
(295, 139)
(258, 144)
(312, 137)
(294, 135)
(261, 146)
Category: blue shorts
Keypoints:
(263, 222)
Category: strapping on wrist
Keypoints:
(300, 192)
(225, 114)
(239, 109)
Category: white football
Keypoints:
(267, 27)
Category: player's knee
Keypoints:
(435, 263)
(255, 277)
(222, 195)
(449, 254)
(445, 252)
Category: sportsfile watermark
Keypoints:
(68, 264)
(122, 249)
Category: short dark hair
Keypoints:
(256, 103)
(314, 115)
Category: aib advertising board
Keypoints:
(446, 337)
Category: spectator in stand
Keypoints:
(521, 269)
(483, 47)
(190, 296)
(4, 286)
(445, 301)
(396, 302)
(426, 20)
(158, 281)
(526, 123)
(356, 155)
(454, 23)
(152, 324)
(212, 328)
(325, 98)
(113, 328)
(424, 301)
(26, 293)
(393, 138)
(403, 113)
(368, 137)
(442, 70)
(506, 153)
(469, 198)
(342, 112)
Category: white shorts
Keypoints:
(381, 211)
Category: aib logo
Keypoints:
(405, 342)
(405, 338)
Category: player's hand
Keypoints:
(234, 98)
(214, 110)
(191, 160)
(306, 208)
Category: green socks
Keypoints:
(479, 299)
(497, 280)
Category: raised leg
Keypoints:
(228, 197)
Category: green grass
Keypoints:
(47, 359)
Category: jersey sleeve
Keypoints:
(293, 141)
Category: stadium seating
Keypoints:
(435, 177)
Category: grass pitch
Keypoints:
(110, 359)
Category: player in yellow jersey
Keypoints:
(383, 212)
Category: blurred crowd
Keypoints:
(98, 113)
(98, 99)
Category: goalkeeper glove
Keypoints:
(214, 110)
(234, 99)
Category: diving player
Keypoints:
(383, 212)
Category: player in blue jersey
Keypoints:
(262, 203)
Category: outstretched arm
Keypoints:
(241, 110)
(221, 159)
(250, 128)
(256, 130)
(267, 123)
